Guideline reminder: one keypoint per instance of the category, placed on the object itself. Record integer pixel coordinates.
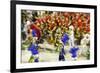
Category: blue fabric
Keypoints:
(61, 55)
(73, 51)
(61, 58)
(34, 33)
(36, 60)
(63, 51)
(65, 39)
(33, 49)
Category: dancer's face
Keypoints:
(35, 39)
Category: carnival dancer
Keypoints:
(73, 48)
(62, 53)
(73, 52)
(35, 31)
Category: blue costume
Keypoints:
(33, 47)
(34, 33)
(73, 51)
(61, 55)
(34, 51)
(64, 39)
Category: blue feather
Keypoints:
(65, 39)
(33, 33)
(33, 49)
(73, 51)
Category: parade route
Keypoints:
(49, 56)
